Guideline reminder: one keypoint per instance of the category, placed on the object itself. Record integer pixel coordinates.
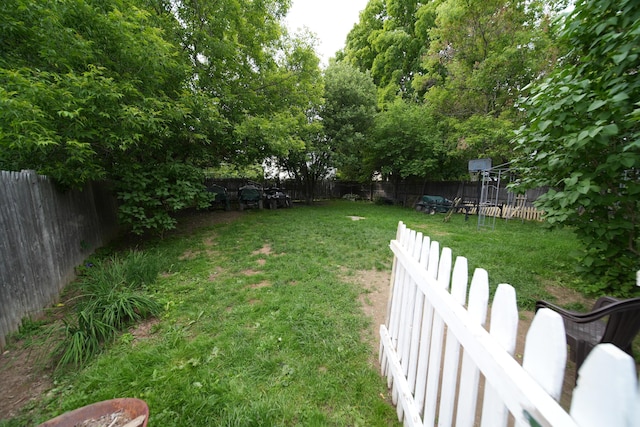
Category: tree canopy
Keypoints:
(466, 61)
(145, 93)
(348, 116)
(582, 139)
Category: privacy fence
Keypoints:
(404, 192)
(435, 349)
(46, 233)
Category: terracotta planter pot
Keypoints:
(133, 408)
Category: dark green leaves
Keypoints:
(582, 139)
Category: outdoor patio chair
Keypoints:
(610, 321)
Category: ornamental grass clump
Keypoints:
(112, 296)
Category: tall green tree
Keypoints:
(347, 116)
(93, 90)
(582, 139)
(468, 60)
(407, 142)
(82, 80)
(384, 42)
(233, 47)
(141, 92)
(305, 154)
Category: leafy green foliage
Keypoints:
(348, 115)
(141, 92)
(82, 82)
(467, 61)
(111, 299)
(407, 141)
(384, 42)
(583, 140)
(306, 154)
(481, 54)
(148, 196)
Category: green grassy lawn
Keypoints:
(262, 324)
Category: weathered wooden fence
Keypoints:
(433, 352)
(403, 192)
(45, 234)
(528, 213)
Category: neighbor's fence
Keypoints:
(403, 192)
(45, 234)
(434, 350)
(528, 213)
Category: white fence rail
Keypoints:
(434, 349)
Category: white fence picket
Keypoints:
(437, 341)
(606, 393)
(419, 308)
(459, 281)
(414, 246)
(395, 271)
(425, 333)
(470, 376)
(545, 352)
(504, 329)
(417, 320)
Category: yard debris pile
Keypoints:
(114, 419)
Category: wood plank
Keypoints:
(545, 351)
(607, 389)
(412, 417)
(470, 376)
(504, 329)
(459, 281)
(437, 342)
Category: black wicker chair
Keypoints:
(610, 321)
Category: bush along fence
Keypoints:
(46, 233)
(433, 351)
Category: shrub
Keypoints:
(111, 299)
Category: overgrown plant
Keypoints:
(583, 140)
(175, 187)
(111, 299)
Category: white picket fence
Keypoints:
(434, 348)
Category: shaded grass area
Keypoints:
(260, 326)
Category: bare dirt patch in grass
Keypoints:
(564, 296)
(144, 330)
(210, 241)
(263, 284)
(374, 298)
(265, 250)
(188, 255)
(250, 272)
(24, 379)
(213, 276)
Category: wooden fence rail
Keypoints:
(434, 349)
(45, 234)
